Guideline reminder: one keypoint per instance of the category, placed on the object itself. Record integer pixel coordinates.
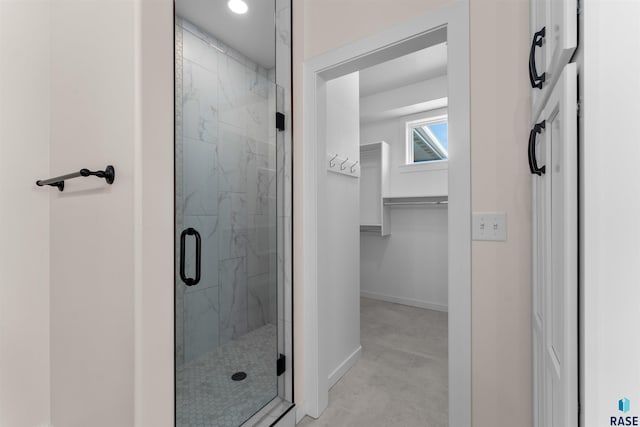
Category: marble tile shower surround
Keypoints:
(226, 169)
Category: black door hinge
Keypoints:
(280, 121)
(282, 364)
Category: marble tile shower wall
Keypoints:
(226, 159)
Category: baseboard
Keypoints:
(405, 301)
(344, 367)
(301, 412)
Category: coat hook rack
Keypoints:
(109, 175)
(341, 164)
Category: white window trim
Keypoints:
(436, 165)
(409, 143)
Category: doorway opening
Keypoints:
(375, 190)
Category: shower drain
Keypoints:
(239, 376)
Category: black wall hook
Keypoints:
(109, 175)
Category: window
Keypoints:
(427, 140)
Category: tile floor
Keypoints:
(207, 397)
(401, 379)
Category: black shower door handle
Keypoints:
(533, 162)
(536, 80)
(183, 237)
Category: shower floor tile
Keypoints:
(206, 396)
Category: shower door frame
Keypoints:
(282, 403)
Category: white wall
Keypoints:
(410, 265)
(610, 210)
(339, 216)
(101, 73)
(24, 213)
(500, 181)
(154, 215)
(93, 98)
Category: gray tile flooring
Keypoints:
(207, 397)
(401, 379)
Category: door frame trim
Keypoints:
(349, 58)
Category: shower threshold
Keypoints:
(270, 414)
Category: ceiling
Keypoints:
(252, 34)
(407, 110)
(412, 68)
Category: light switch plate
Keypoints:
(490, 226)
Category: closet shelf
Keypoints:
(371, 228)
(416, 201)
(374, 183)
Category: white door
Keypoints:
(554, 38)
(553, 157)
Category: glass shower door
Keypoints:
(226, 288)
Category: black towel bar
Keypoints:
(109, 175)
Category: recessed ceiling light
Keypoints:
(238, 6)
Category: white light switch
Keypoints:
(489, 226)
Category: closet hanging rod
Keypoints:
(109, 175)
(443, 202)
